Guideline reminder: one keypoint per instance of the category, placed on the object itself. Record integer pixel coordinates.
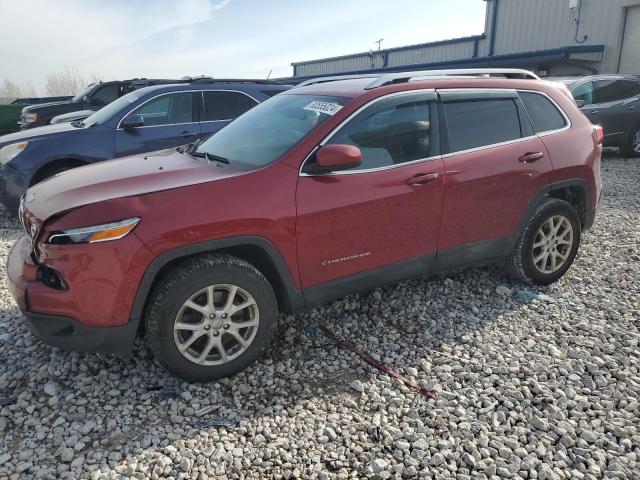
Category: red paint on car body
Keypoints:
(323, 227)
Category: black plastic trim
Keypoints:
(68, 334)
(368, 280)
(474, 94)
(472, 253)
(294, 299)
(540, 194)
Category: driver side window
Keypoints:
(390, 132)
(168, 109)
(584, 92)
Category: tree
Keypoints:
(68, 82)
(9, 89)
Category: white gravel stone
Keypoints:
(533, 383)
(66, 455)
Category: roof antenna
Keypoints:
(270, 72)
(379, 42)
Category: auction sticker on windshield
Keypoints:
(328, 108)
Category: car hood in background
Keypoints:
(38, 133)
(72, 116)
(41, 105)
(122, 177)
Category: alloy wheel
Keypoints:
(635, 142)
(216, 324)
(552, 244)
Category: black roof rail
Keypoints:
(229, 80)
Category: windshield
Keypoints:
(266, 132)
(83, 93)
(105, 113)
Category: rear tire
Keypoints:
(195, 326)
(548, 244)
(631, 148)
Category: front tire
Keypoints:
(210, 317)
(548, 244)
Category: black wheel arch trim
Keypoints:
(293, 299)
(543, 192)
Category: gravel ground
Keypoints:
(540, 383)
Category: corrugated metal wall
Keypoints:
(522, 26)
(417, 55)
(529, 25)
(630, 54)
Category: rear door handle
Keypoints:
(421, 178)
(594, 112)
(531, 157)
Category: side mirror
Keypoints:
(132, 122)
(332, 158)
(580, 103)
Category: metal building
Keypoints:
(551, 37)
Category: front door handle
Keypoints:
(187, 133)
(421, 178)
(631, 108)
(594, 112)
(531, 157)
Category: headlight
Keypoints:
(9, 152)
(29, 117)
(97, 233)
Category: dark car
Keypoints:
(94, 97)
(320, 192)
(147, 119)
(612, 101)
(10, 115)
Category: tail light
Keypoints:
(598, 134)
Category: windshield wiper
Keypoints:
(210, 157)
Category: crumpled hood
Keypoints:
(37, 133)
(122, 177)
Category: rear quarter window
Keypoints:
(544, 115)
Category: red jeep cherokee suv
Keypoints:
(324, 190)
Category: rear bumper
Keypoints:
(67, 334)
(590, 215)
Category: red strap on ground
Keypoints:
(375, 363)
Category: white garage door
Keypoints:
(630, 55)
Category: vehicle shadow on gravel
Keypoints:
(400, 325)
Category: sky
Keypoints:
(118, 39)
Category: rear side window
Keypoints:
(226, 105)
(613, 90)
(477, 123)
(543, 113)
(106, 94)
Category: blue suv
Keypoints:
(152, 118)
